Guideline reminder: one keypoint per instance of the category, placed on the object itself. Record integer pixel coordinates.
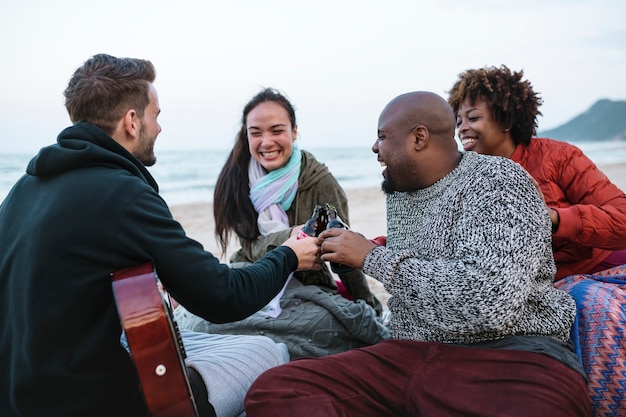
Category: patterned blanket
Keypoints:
(599, 335)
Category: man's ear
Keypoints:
(421, 137)
(127, 131)
(132, 124)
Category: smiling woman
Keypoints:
(496, 111)
(285, 184)
(271, 135)
(264, 194)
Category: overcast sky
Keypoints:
(338, 61)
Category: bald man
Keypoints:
(478, 329)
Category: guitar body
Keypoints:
(154, 341)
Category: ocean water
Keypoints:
(185, 176)
(189, 176)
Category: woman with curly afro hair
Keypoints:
(496, 111)
(496, 114)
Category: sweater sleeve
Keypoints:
(193, 276)
(597, 214)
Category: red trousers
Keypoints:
(403, 378)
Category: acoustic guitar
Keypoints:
(154, 340)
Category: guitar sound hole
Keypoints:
(160, 370)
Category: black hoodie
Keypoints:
(86, 208)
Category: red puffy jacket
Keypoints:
(591, 208)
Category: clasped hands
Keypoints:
(332, 245)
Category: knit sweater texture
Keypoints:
(469, 259)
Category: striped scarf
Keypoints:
(273, 192)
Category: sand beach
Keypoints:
(367, 216)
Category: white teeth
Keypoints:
(269, 154)
(467, 141)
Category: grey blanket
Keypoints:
(313, 323)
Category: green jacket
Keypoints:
(316, 185)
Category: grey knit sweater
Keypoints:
(469, 259)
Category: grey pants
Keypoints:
(229, 364)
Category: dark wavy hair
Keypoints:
(104, 88)
(232, 208)
(513, 103)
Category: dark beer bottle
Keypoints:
(322, 218)
(311, 225)
(334, 221)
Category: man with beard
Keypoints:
(86, 208)
(477, 327)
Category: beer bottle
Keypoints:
(322, 218)
(311, 225)
(334, 221)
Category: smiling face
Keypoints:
(478, 131)
(270, 135)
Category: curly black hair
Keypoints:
(513, 103)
